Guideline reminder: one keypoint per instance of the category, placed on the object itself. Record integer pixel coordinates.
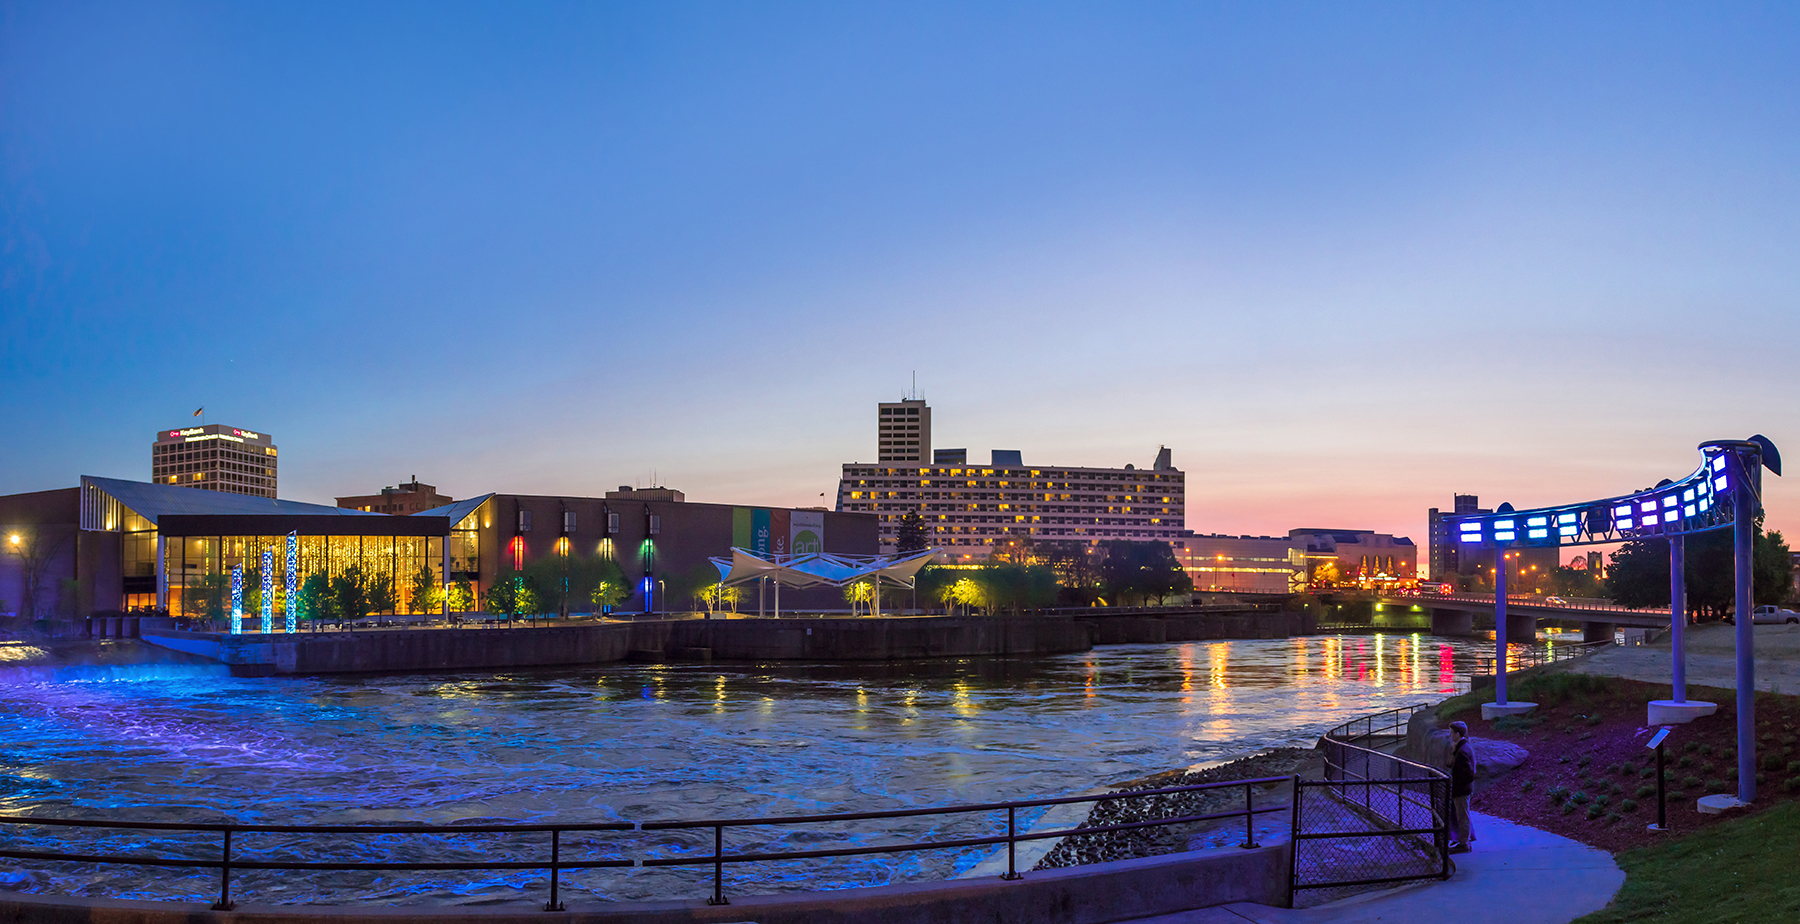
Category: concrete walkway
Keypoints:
(1711, 659)
(1516, 875)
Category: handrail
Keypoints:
(555, 864)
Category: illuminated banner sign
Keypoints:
(779, 531)
(807, 532)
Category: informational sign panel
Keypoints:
(807, 531)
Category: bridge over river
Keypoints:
(1454, 614)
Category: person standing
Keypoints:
(1462, 785)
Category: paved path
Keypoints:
(1516, 875)
(1711, 659)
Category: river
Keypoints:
(121, 729)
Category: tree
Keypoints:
(1017, 587)
(1076, 565)
(350, 593)
(1144, 570)
(427, 594)
(380, 589)
(610, 588)
(858, 593)
(461, 597)
(701, 583)
(212, 596)
(316, 601)
(35, 549)
(912, 534)
(1639, 575)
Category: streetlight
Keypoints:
(662, 592)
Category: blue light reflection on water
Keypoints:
(179, 740)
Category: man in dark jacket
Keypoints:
(1462, 785)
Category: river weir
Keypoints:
(123, 730)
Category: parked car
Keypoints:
(1768, 613)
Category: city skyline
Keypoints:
(1344, 264)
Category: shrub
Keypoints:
(1602, 799)
(1690, 782)
(1771, 762)
(1793, 766)
(1517, 723)
(1792, 784)
(1706, 750)
(1594, 720)
(1595, 811)
(1645, 792)
(1568, 808)
(1649, 773)
(1717, 785)
(1628, 767)
(1580, 797)
(1789, 739)
(1527, 786)
(1614, 768)
(1584, 760)
(1559, 793)
(1613, 818)
(1706, 766)
(1727, 754)
(1676, 795)
(1691, 746)
(1628, 806)
(1687, 760)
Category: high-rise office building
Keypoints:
(905, 432)
(968, 510)
(215, 458)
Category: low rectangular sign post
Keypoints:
(1656, 744)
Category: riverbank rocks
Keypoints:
(1082, 849)
(1428, 744)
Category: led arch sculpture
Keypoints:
(1724, 492)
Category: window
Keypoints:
(612, 522)
(655, 525)
(524, 521)
(568, 521)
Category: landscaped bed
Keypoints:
(1589, 776)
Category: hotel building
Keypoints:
(970, 509)
(215, 458)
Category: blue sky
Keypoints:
(1344, 258)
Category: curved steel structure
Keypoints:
(1696, 504)
(1725, 491)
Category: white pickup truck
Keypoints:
(1773, 614)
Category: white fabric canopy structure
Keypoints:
(811, 569)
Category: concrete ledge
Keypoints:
(1492, 711)
(1719, 804)
(1670, 712)
(1105, 892)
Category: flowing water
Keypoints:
(124, 730)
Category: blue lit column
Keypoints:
(237, 599)
(1678, 613)
(1500, 626)
(1743, 526)
(290, 604)
(268, 591)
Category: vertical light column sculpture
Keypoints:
(290, 604)
(1500, 640)
(237, 599)
(268, 591)
(1678, 613)
(1743, 526)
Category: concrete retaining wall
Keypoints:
(835, 639)
(1098, 894)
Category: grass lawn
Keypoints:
(1742, 871)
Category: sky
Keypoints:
(1344, 259)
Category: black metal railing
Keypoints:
(1520, 657)
(1391, 813)
(554, 863)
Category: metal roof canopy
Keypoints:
(1699, 503)
(101, 498)
(811, 569)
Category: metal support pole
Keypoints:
(1743, 525)
(1678, 613)
(1662, 800)
(555, 869)
(718, 896)
(225, 876)
(1249, 819)
(1500, 626)
(162, 576)
(1012, 871)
